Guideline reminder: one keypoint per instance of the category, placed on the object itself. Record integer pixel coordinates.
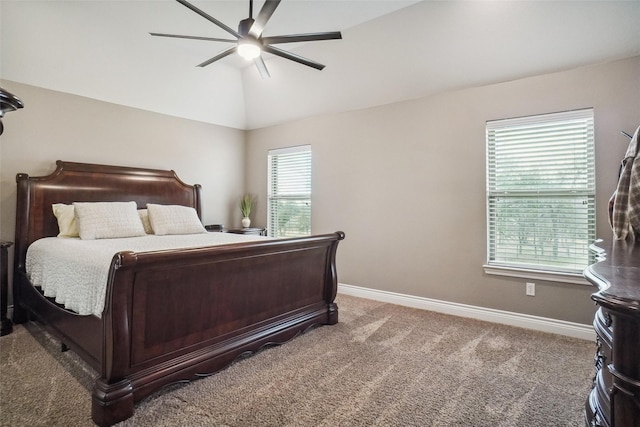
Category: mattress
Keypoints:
(74, 272)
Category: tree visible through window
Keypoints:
(541, 191)
(289, 193)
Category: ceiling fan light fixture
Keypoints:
(249, 42)
(248, 50)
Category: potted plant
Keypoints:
(246, 203)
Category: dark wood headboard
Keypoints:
(83, 182)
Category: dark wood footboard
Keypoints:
(175, 316)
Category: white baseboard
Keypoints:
(527, 321)
(543, 324)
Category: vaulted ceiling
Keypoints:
(391, 50)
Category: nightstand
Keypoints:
(252, 230)
(7, 324)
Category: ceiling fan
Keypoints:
(249, 41)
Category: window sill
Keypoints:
(536, 274)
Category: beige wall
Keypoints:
(58, 126)
(406, 183)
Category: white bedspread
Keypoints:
(75, 271)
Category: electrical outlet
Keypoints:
(531, 289)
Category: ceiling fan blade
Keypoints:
(219, 56)
(209, 17)
(263, 17)
(293, 57)
(293, 38)
(177, 36)
(262, 68)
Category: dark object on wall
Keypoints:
(8, 102)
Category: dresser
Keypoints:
(614, 400)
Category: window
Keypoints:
(289, 193)
(541, 192)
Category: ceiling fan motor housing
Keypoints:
(244, 26)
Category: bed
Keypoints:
(171, 315)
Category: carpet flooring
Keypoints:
(381, 365)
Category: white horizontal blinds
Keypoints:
(541, 191)
(289, 211)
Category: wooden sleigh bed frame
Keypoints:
(174, 315)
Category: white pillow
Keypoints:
(66, 216)
(108, 220)
(144, 217)
(174, 219)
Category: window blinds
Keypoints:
(541, 191)
(289, 193)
